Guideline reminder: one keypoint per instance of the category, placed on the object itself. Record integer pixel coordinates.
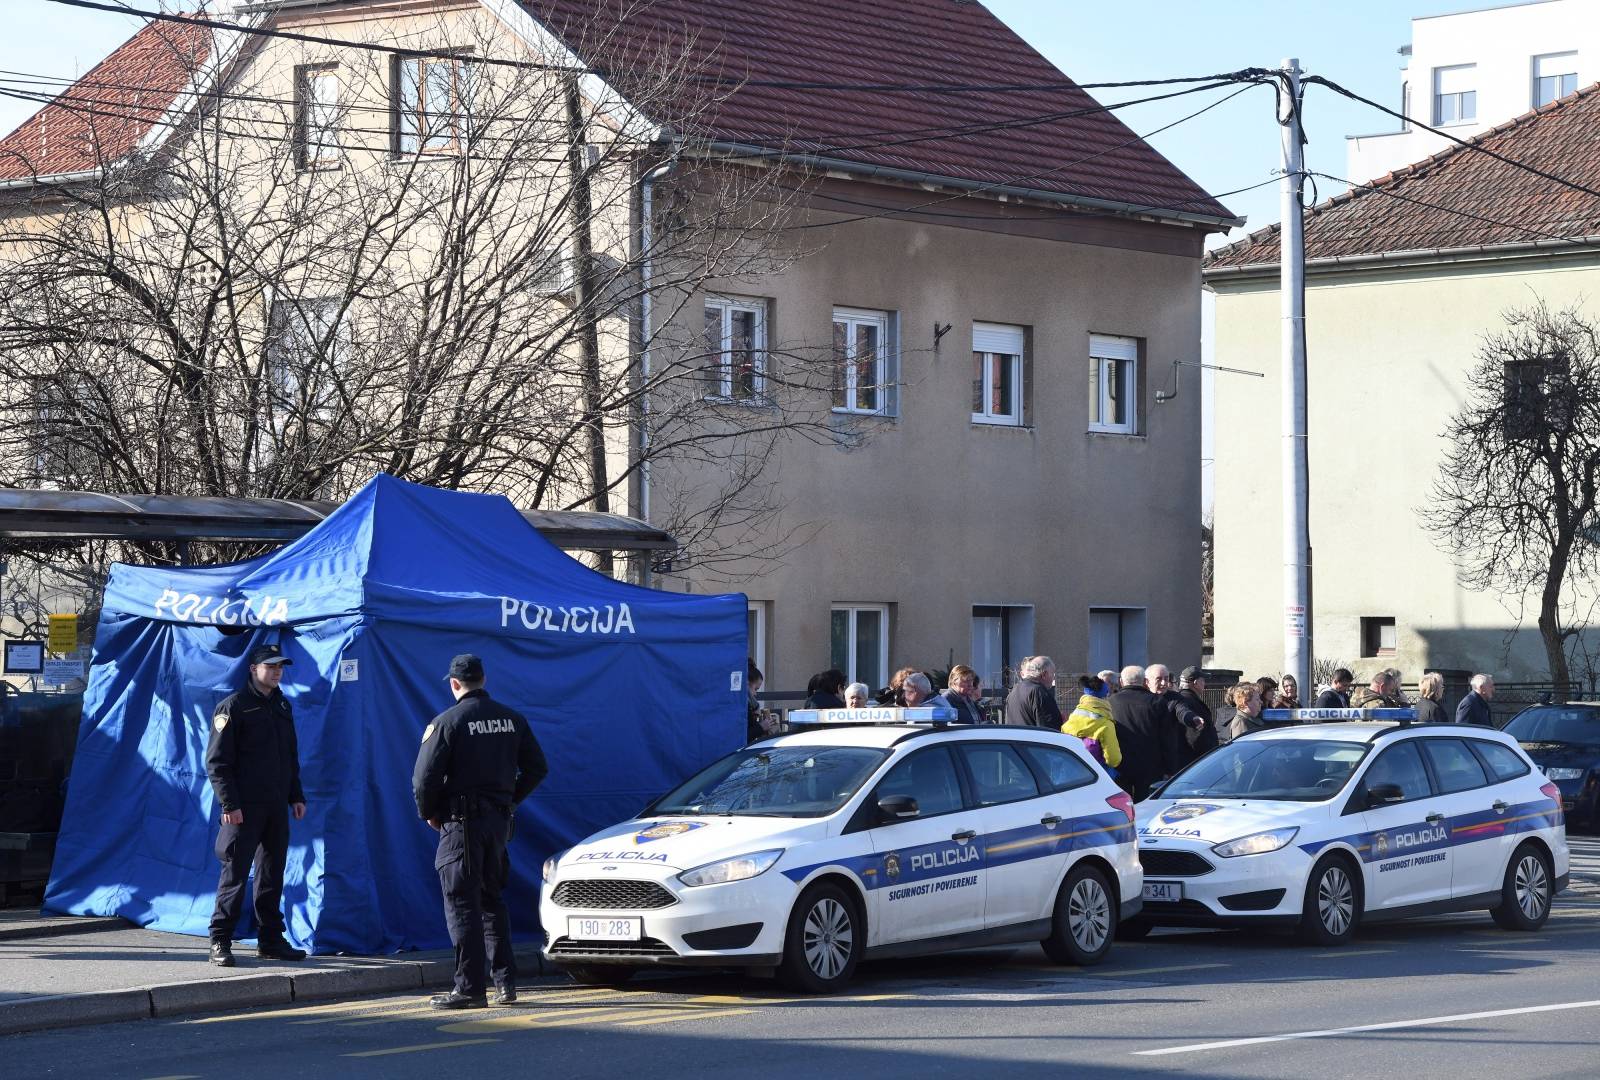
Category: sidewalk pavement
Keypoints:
(66, 971)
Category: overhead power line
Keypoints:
(1481, 218)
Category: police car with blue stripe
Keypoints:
(860, 833)
(1324, 826)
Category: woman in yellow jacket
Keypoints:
(1091, 722)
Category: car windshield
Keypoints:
(775, 781)
(1298, 770)
(1556, 723)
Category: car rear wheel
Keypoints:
(1526, 891)
(1085, 918)
(600, 974)
(824, 942)
(1332, 904)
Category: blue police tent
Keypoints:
(629, 691)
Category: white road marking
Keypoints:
(1393, 1025)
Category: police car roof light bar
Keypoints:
(1321, 716)
(927, 714)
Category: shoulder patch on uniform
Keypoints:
(427, 732)
(220, 720)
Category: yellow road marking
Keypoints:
(870, 997)
(1152, 971)
(607, 1017)
(419, 1048)
(514, 1021)
(696, 1014)
(739, 999)
(305, 1010)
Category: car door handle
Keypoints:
(964, 835)
(1050, 819)
(1434, 819)
(1500, 806)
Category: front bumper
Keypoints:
(1249, 890)
(738, 924)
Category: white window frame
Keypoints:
(883, 321)
(726, 306)
(850, 649)
(999, 346)
(758, 644)
(317, 113)
(1439, 75)
(1106, 355)
(1559, 77)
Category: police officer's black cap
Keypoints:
(466, 667)
(268, 654)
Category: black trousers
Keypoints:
(260, 842)
(473, 867)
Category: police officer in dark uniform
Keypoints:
(478, 760)
(254, 765)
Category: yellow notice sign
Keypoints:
(63, 633)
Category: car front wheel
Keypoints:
(1526, 891)
(824, 942)
(1084, 921)
(1332, 905)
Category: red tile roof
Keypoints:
(1459, 198)
(1073, 152)
(107, 112)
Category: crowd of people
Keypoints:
(1136, 722)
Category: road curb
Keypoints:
(212, 994)
(54, 928)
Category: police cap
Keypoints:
(268, 654)
(467, 667)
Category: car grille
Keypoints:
(644, 947)
(604, 893)
(1174, 863)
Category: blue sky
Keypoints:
(1232, 146)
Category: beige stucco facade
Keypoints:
(937, 514)
(1388, 354)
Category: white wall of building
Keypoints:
(1495, 53)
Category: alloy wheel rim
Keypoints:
(1335, 900)
(1089, 915)
(1532, 885)
(828, 938)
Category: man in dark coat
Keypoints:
(253, 762)
(478, 760)
(1150, 728)
(1337, 695)
(1191, 691)
(1032, 702)
(1474, 707)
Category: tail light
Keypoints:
(1552, 791)
(1124, 802)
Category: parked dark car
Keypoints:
(1564, 741)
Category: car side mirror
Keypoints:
(1157, 788)
(896, 807)
(1384, 794)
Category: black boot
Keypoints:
(455, 999)
(278, 949)
(222, 953)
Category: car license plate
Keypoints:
(1163, 890)
(604, 929)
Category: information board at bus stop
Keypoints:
(63, 634)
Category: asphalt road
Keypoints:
(1449, 997)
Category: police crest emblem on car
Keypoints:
(891, 865)
(1380, 844)
(666, 829)
(1185, 811)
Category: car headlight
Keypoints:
(737, 869)
(1257, 843)
(1564, 774)
(549, 870)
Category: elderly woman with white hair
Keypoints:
(1032, 702)
(1430, 699)
(857, 696)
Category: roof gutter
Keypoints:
(54, 178)
(912, 176)
(1413, 257)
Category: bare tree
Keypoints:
(1515, 498)
(336, 261)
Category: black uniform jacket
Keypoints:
(478, 748)
(253, 756)
(1033, 704)
(1151, 732)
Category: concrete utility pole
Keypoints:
(1296, 471)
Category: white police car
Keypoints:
(1325, 826)
(864, 833)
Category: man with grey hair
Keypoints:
(1032, 702)
(1474, 707)
(917, 689)
(1379, 694)
(1149, 727)
(1111, 679)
